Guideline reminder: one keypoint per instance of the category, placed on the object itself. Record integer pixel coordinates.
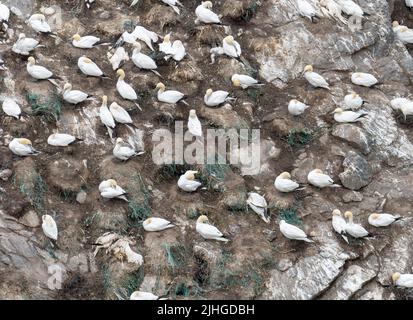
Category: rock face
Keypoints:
(354, 135)
(357, 173)
(68, 174)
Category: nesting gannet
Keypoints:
(120, 114)
(89, 68)
(208, 231)
(178, 50)
(49, 227)
(105, 115)
(110, 189)
(409, 4)
(259, 205)
(403, 280)
(125, 90)
(283, 183)
(407, 109)
(11, 108)
(123, 150)
(353, 229)
(363, 79)
(396, 26)
(397, 103)
(89, 3)
(73, 96)
(156, 224)
(382, 219)
(314, 78)
(118, 57)
(61, 139)
(347, 116)
(296, 107)
(2, 64)
(317, 178)
(37, 72)
(306, 9)
(4, 15)
(244, 81)
(145, 35)
(292, 232)
(142, 295)
(166, 45)
(173, 4)
(85, 42)
(404, 34)
(332, 9)
(339, 224)
(231, 47)
(25, 45)
(187, 181)
(350, 8)
(194, 125)
(353, 101)
(169, 96)
(22, 147)
(205, 14)
(38, 23)
(141, 60)
(122, 249)
(215, 98)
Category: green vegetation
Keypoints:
(107, 283)
(251, 10)
(140, 209)
(90, 218)
(35, 189)
(170, 171)
(299, 138)
(211, 174)
(175, 256)
(50, 108)
(132, 283)
(290, 215)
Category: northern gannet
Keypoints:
(37, 72)
(317, 178)
(11, 108)
(353, 229)
(89, 68)
(187, 181)
(118, 57)
(85, 42)
(123, 150)
(168, 96)
(61, 139)
(49, 227)
(332, 9)
(406, 109)
(194, 125)
(306, 9)
(283, 183)
(353, 101)
(105, 115)
(382, 219)
(204, 13)
(396, 26)
(292, 232)
(141, 60)
(397, 103)
(73, 96)
(22, 147)
(296, 107)
(156, 224)
(350, 8)
(404, 34)
(259, 205)
(25, 45)
(231, 47)
(166, 45)
(347, 116)
(89, 3)
(120, 114)
(208, 231)
(124, 89)
(215, 98)
(110, 189)
(409, 4)
(2, 64)
(244, 81)
(173, 4)
(142, 295)
(314, 78)
(4, 15)
(339, 224)
(145, 35)
(176, 50)
(363, 79)
(38, 23)
(403, 280)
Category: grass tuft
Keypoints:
(299, 138)
(290, 215)
(50, 108)
(140, 209)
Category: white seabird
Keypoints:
(306, 9)
(215, 98)
(89, 68)
(353, 101)
(124, 89)
(296, 107)
(205, 14)
(22, 147)
(25, 45)
(194, 125)
(259, 205)
(156, 224)
(37, 72)
(120, 114)
(73, 96)
(347, 116)
(11, 108)
(353, 229)
(231, 47)
(123, 150)
(118, 57)
(315, 79)
(187, 181)
(318, 179)
(174, 5)
(339, 224)
(113, 190)
(208, 231)
(168, 96)
(292, 232)
(61, 139)
(283, 183)
(85, 42)
(38, 23)
(105, 115)
(382, 219)
(363, 79)
(49, 227)
(244, 81)
(403, 280)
